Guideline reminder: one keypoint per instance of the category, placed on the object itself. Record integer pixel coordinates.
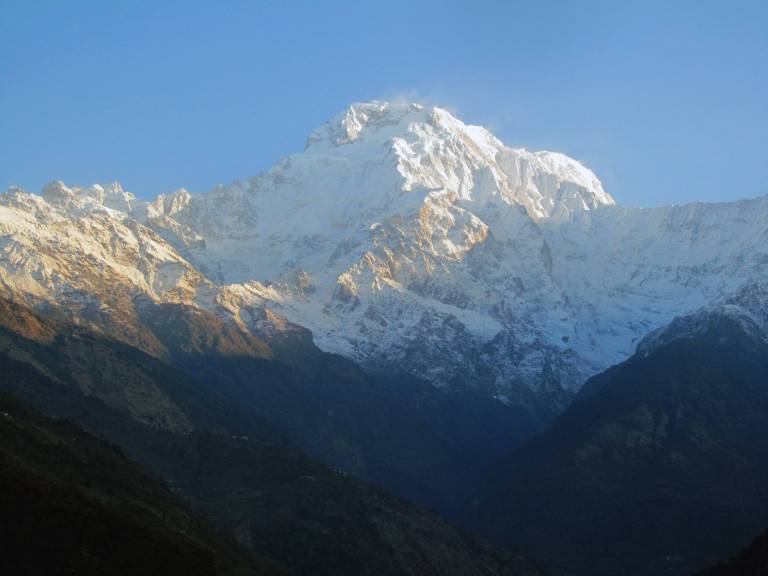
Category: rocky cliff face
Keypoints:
(399, 236)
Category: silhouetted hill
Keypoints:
(660, 466)
(73, 504)
(752, 561)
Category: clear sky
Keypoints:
(666, 100)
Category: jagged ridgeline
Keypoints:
(402, 238)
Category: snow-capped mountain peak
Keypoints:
(400, 236)
(97, 196)
(364, 117)
(434, 151)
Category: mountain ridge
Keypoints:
(657, 467)
(399, 237)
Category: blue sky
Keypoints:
(666, 101)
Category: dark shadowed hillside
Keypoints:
(228, 464)
(752, 561)
(660, 467)
(390, 429)
(317, 521)
(73, 504)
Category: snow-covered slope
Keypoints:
(628, 270)
(403, 239)
(78, 251)
(747, 307)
